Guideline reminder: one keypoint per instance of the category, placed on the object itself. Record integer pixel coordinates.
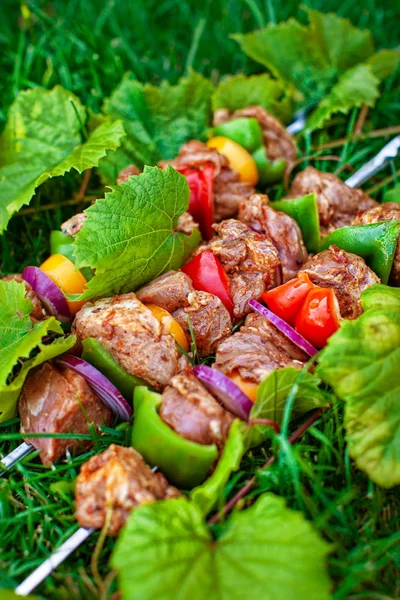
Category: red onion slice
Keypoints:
(284, 328)
(225, 390)
(48, 293)
(108, 393)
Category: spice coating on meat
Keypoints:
(210, 320)
(338, 204)
(389, 211)
(113, 483)
(196, 155)
(57, 400)
(73, 225)
(249, 259)
(257, 349)
(186, 224)
(277, 141)
(132, 335)
(193, 413)
(168, 291)
(126, 173)
(38, 312)
(281, 229)
(347, 274)
(229, 191)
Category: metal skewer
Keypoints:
(300, 120)
(16, 455)
(388, 153)
(40, 574)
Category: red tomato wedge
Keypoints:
(319, 317)
(287, 299)
(208, 275)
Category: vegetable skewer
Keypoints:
(388, 152)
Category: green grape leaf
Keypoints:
(240, 91)
(42, 139)
(21, 345)
(129, 237)
(158, 120)
(272, 395)
(361, 363)
(264, 552)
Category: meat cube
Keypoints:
(257, 349)
(38, 312)
(338, 204)
(210, 320)
(132, 335)
(277, 141)
(196, 155)
(249, 259)
(389, 211)
(73, 226)
(186, 224)
(228, 190)
(114, 483)
(347, 274)
(126, 173)
(281, 229)
(169, 291)
(58, 400)
(193, 413)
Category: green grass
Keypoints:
(86, 46)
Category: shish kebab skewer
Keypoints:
(66, 549)
(388, 152)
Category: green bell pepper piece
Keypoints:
(95, 354)
(375, 242)
(304, 210)
(269, 171)
(61, 243)
(183, 462)
(245, 131)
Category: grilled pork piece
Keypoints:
(347, 274)
(338, 204)
(132, 335)
(281, 229)
(126, 173)
(73, 226)
(228, 190)
(57, 400)
(38, 312)
(389, 211)
(169, 291)
(115, 482)
(210, 320)
(277, 141)
(257, 349)
(193, 413)
(249, 259)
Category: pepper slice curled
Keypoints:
(183, 462)
(375, 242)
(304, 210)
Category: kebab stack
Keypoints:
(148, 334)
